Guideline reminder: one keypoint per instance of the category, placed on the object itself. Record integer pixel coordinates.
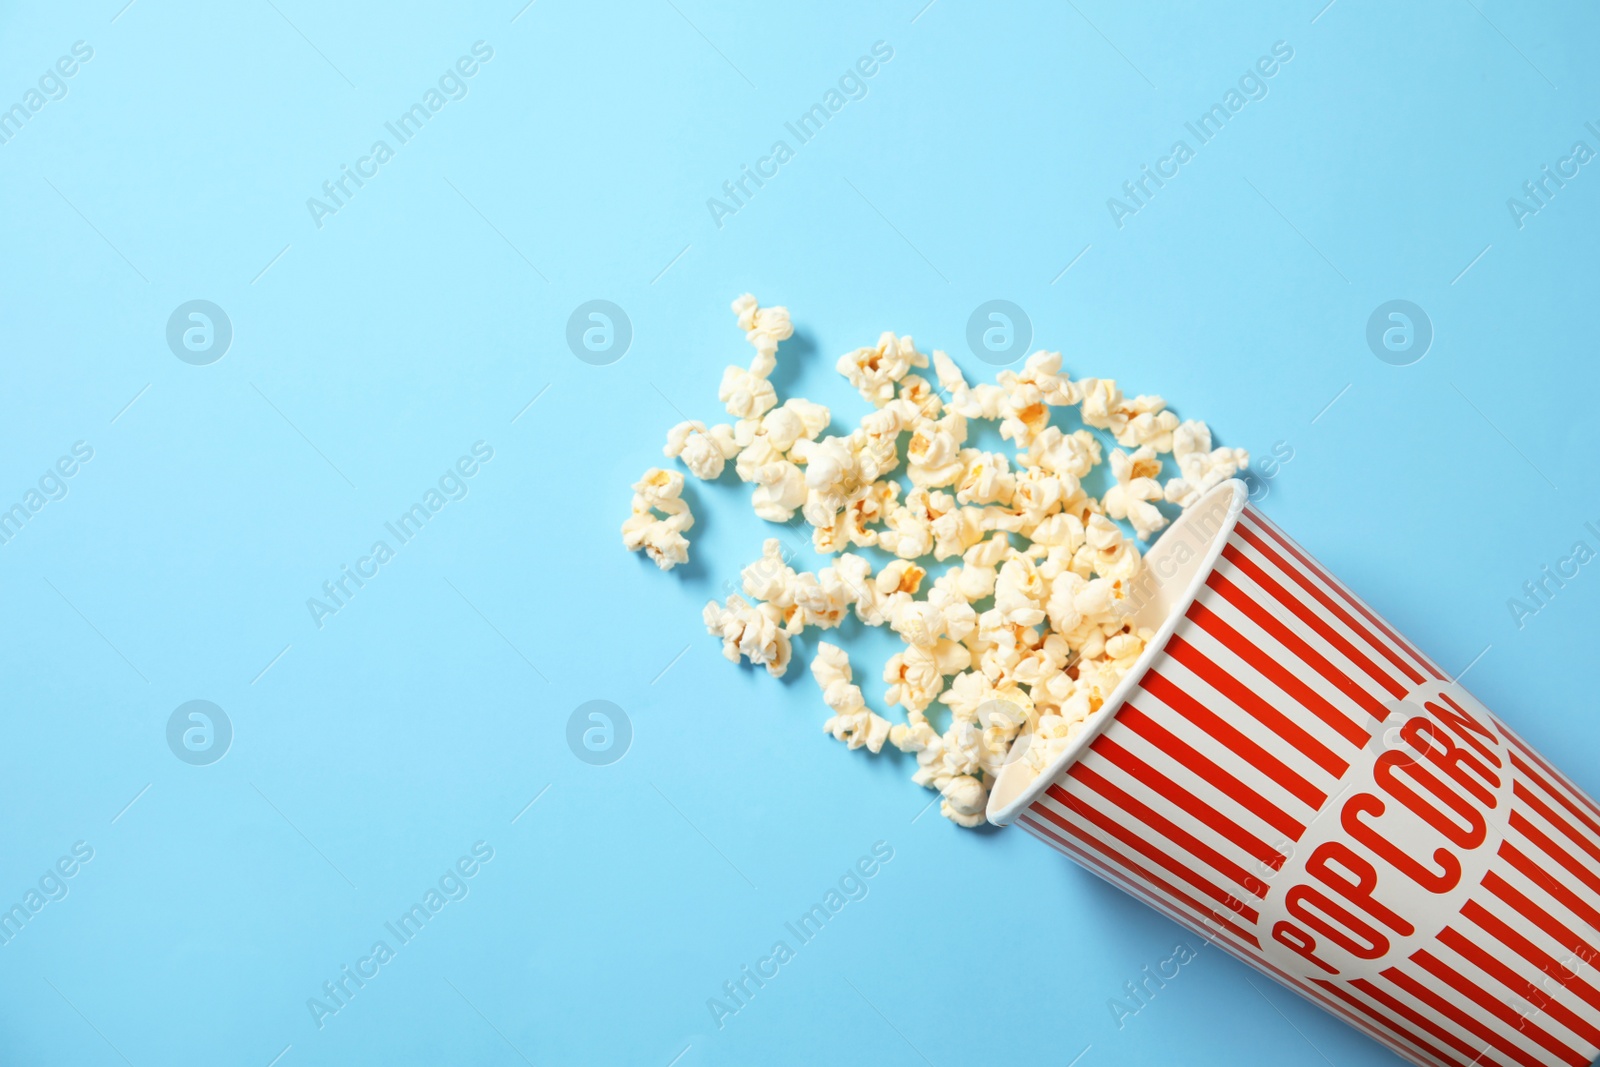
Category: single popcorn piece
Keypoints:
(1026, 630)
(770, 579)
(746, 395)
(874, 371)
(764, 328)
(660, 517)
(703, 451)
(964, 800)
(754, 633)
(933, 458)
(1201, 467)
(1135, 495)
(852, 722)
(780, 490)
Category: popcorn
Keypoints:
(780, 490)
(1023, 412)
(1133, 497)
(1074, 454)
(852, 722)
(770, 578)
(964, 800)
(1024, 634)
(795, 420)
(1149, 429)
(747, 395)
(933, 458)
(703, 451)
(751, 632)
(661, 538)
(956, 531)
(917, 393)
(1202, 467)
(910, 532)
(764, 328)
(985, 478)
(914, 678)
(1043, 370)
(874, 371)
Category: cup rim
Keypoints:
(1004, 815)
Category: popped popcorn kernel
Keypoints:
(660, 517)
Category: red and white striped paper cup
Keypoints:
(1287, 776)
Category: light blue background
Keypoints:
(427, 313)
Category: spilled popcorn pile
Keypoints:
(1025, 636)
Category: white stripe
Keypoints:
(1352, 637)
(1197, 783)
(1440, 1043)
(1554, 983)
(1273, 650)
(1349, 596)
(1527, 927)
(1253, 633)
(1524, 925)
(1560, 782)
(1342, 597)
(1307, 673)
(1559, 840)
(1104, 843)
(1184, 917)
(1212, 747)
(1259, 732)
(1184, 821)
(1540, 860)
(1517, 1003)
(1523, 968)
(1472, 1011)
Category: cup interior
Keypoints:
(1174, 571)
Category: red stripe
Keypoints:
(1545, 783)
(1167, 905)
(1416, 1018)
(1187, 706)
(1389, 1021)
(1293, 643)
(1223, 682)
(1524, 826)
(1536, 998)
(1138, 869)
(1209, 770)
(1314, 590)
(1186, 801)
(1497, 1007)
(1284, 679)
(1583, 841)
(1144, 848)
(1508, 936)
(1349, 597)
(1220, 935)
(1099, 783)
(1444, 1007)
(1566, 937)
(1540, 877)
(1305, 614)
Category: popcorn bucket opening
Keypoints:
(1174, 571)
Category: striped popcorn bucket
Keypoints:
(1287, 776)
